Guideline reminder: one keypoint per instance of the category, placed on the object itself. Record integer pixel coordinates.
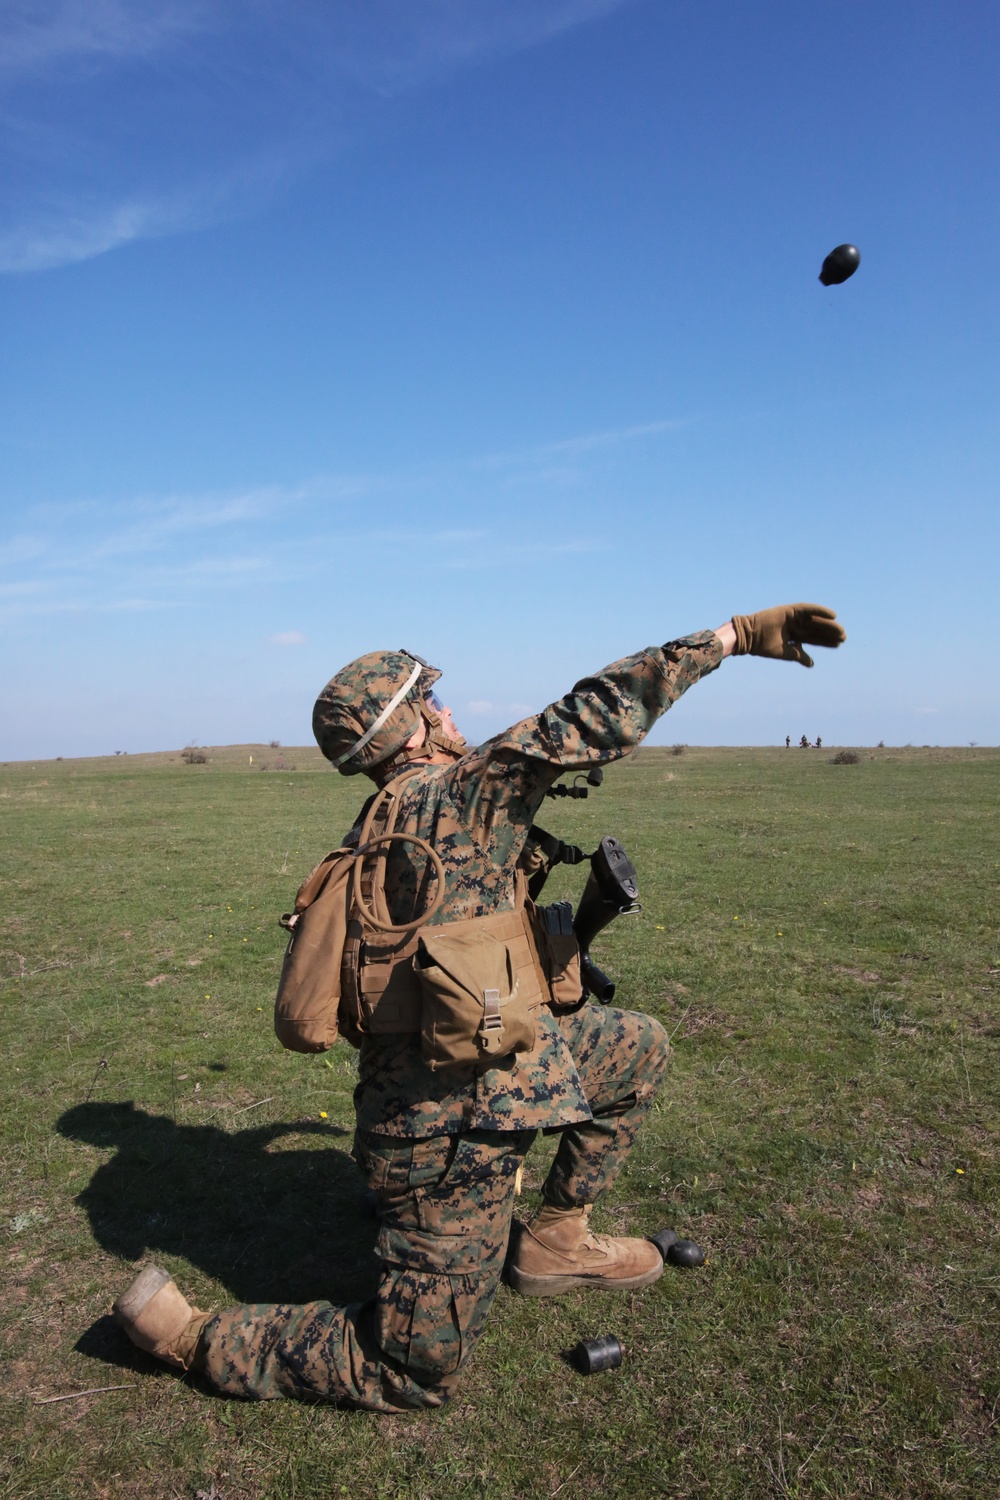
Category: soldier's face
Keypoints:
(448, 724)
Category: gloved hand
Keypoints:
(780, 632)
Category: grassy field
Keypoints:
(822, 940)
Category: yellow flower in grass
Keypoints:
(322, 1114)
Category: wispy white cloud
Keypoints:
(35, 34)
(389, 45)
(149, 524)
(485, 706)
(588, 442)
(214, 568)
(61, 239)
(562, 463)
(159, 523)
(75, 224)
(501, 552)
(124, 120)
(289, 638)
(399, 46)
(20, 589)
(59, 606)
(163, 551)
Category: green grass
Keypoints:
(824, 943)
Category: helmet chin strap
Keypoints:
(436, 748)
(442, 746)
(436, 736)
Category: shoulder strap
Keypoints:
(369, 875)
(369, 912)
(556, 853)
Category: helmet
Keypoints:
(367, 712)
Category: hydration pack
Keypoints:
(470, 987)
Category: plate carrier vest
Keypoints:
(349, 970)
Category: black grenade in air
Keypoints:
(840, 264)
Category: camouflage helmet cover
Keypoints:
(349, 708)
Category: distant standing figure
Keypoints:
(804, 743)
(819, 743)
(788, 741)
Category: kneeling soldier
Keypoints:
(441, 1135)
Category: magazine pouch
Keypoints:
(560, 954)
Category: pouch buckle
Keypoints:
(491, 1027)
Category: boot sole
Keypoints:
(143, 1289)
(551, 1286)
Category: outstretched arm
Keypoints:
(607, 715)
(499, 787)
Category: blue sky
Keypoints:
(493, 331)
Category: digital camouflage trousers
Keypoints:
(444, 1206)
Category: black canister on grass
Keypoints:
(592, 1355)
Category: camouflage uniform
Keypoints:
(441, 1148)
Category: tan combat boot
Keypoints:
(558, 1251)
(159, 1319)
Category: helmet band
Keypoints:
(390, 708)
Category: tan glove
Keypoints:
(780, 632)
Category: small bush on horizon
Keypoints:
(191, 755)
(846, 758)
(677, 749)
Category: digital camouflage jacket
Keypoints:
(476, 813)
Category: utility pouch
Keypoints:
(318, 993)
(560, 954)
(305, 1011)
(473, 1008)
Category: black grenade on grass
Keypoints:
(678, 1252)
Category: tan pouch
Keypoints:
(305, 1009)
(472, 1009)
(318, 989)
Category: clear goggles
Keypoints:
(433, 701)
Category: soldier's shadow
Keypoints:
(271, 1220)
